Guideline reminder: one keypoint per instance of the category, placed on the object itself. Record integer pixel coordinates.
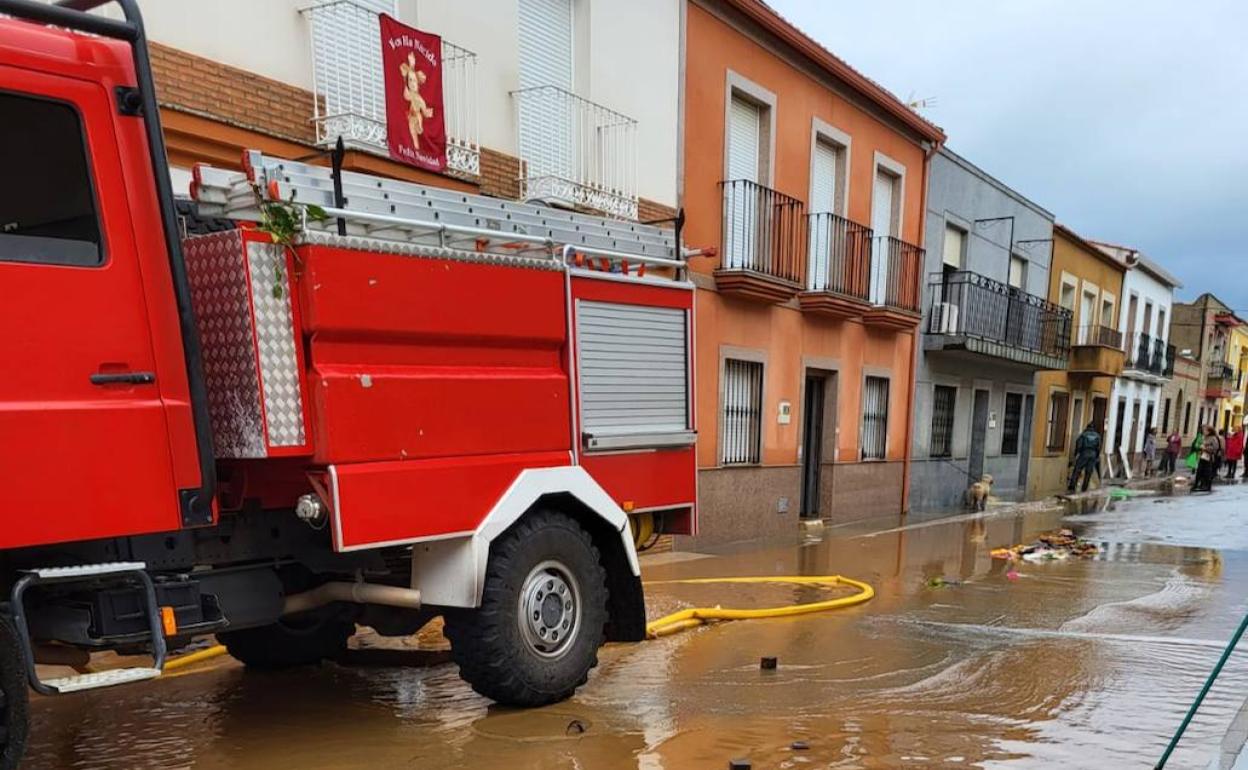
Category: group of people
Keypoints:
(1213, 451)
(1210, 453)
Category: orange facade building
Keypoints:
(808, 182)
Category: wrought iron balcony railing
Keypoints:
(966, 304)
(1101, 336)
(576, 152)
(349, 85)
(839, 252)
(895, 269)
(1145, 353)
(764, 231)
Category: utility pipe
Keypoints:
(356, 593)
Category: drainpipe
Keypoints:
(914, 338)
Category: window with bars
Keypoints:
(1059, 408)
(944, 398)
(1012, 423)
(874, 418)
(743, 412)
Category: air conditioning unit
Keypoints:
(944, 318)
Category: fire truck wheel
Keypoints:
(543, 610)
(300, 640)
(13, 698)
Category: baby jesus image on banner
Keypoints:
(415, 123)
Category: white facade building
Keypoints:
(584, 92)
(1144, 319)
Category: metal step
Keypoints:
(134, 572)
(77, 572)
(93, 681)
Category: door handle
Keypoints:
(123, 378)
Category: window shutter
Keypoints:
(545, 29)
(633, 374)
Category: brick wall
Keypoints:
(231, 95)
(650, 211)
(500, 174)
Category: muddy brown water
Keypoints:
(1079, 663)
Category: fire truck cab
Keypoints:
(309, 400)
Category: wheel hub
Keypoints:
(550, 610)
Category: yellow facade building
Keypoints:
(1088, 282)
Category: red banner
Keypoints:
(415, 127)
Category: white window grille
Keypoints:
(576, 152)
(348, 83)
(874, 418)
(944, 403)
(743, 412)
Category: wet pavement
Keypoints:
(1086, 663)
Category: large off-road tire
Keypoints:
(541, 621)
(14, 697)
(296, 641)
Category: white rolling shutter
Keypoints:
(545, 43)
(822, 200)
(633, 374)
(741, 204)
(744, 138)
(545, 28)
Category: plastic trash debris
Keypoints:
(1051, 547)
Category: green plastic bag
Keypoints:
(1193, 460)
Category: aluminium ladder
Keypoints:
(422, 215)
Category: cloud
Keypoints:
(1128, 120)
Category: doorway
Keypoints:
(818, 437)
(1133, 442)
(1118, 425)
(1099, 405)
(979, 435)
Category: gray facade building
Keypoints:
(987, 328)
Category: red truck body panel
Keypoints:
(417, 358)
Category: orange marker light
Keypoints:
(628, 506)
(169, 621)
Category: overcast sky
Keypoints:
(1128, 120)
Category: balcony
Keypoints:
(1097, 351)
(976, 315)
(893, 290)
(348, 86)
(838, 268)
(576, 153)
(1221, 381)
(764, 248)
(1148, 358)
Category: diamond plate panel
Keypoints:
(275, 341)
(220, 295)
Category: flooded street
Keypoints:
(1086, 663)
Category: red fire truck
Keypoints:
(309, 399)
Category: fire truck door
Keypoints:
(84, 446)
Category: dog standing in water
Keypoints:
(977, 493)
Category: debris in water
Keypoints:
(767, 664)
(1012, 574)
(799, 745)
(1052, 547)
(943, 582)
(575, 727)
(739, 764)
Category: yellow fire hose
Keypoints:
(696, 616)
(182, 661)
(684, 619)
